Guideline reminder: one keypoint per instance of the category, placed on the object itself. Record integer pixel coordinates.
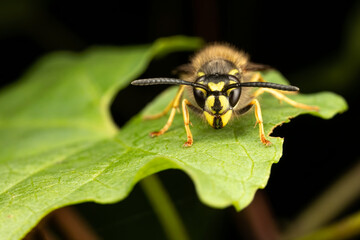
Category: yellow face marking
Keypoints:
(209, 118)
(224, 103)
(216, 86)
(232, 82)
(226, 117)
(200, 74)
(210, 103)
(229, 91)
(202, 90)
(233, 72)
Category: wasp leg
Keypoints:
(174, 105)
(185, 111)
(279, 94)
(259, 121)
(256, 77)
(282, 97)
(174, 102)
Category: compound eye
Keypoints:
(200, 96)
(234, 95)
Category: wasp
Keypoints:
(218, 81)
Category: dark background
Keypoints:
(316, 46)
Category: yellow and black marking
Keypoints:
(216, 86)
(234, 72)
(217, 77)
(200, 74)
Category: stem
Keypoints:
(256, 221)
(164, 208)
(72, 225)
(344, 229)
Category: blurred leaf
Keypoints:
(59, 145)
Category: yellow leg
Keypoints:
(173, 106)
(259, 121)
(175, 101)
(282, 97)
(158, 115)
(279, 94)
(167, 125)
(185, 111)
(256, 77)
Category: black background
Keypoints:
(301, 39)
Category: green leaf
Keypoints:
(59, 146)
(227, 165)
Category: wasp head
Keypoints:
(216, 97)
